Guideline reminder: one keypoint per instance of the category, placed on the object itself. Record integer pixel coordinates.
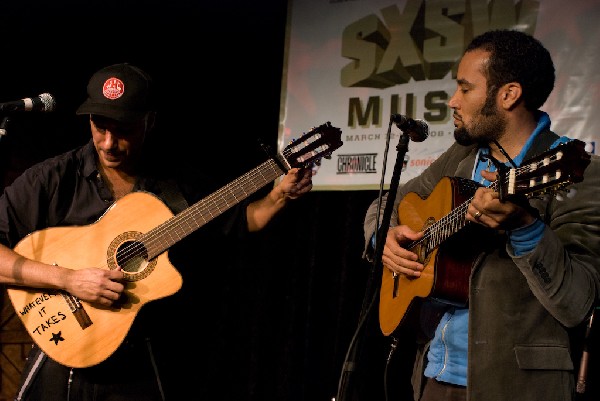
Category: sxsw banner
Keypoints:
(355, 63)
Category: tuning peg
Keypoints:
(559, 197)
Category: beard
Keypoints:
(486, 126)
(462, 136)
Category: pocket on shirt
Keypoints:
(544, 357)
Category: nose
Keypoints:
(453, 102)
(109, 139)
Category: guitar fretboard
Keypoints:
(181, 225)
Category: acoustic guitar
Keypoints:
(133, 235)
(450, 244)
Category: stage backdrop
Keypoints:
(354, 63)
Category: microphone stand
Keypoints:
(372, 291)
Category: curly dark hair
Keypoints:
(517, 57)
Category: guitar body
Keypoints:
(73, 332)
(447, 267)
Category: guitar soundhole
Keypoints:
(130, 255)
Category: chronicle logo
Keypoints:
(358, 163)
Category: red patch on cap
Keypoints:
(113, 88)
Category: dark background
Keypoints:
(274, 322)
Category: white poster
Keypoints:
(355, 63)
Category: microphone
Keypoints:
(417, 130)
(583, 366)
(44, 103)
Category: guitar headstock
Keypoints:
(312, 146)
(551, 171)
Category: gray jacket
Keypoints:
(523, 308)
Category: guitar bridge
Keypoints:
(77, 309)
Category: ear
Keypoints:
(510, 94)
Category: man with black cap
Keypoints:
(77, 188)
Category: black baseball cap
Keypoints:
(122, 92)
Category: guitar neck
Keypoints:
(189, 220)
(446, 226)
